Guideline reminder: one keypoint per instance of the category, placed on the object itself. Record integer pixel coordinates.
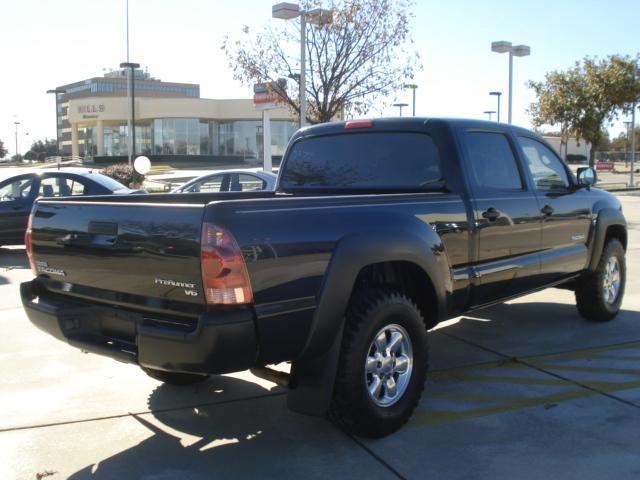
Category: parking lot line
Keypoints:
(627, 358)
(578, 368)
(435, 417)
(466, 380)
(144, 412)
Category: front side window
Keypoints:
(493, 164)
(16, 189)
(546, 169)
(377, 160)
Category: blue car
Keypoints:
(18, 192)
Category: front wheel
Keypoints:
(599, 293)
(382, 366)
(175, 378)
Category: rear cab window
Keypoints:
(407, 161)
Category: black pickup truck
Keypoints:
(377, 231)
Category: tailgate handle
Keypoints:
(103, 228)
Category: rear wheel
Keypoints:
(175, 378)
(382, 366)
(599, 293)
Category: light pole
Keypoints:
(16, 124)
(489, 112)
(513, 51)
(633, 131)
(132, 117)
(56, 92)
(413, 87)
(316, 16)
(627, 124)
(400, 105)
(498, 95)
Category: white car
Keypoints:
(229, 181)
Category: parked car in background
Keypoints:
(19, 190)
(229, 181)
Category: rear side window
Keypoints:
(213, 184)
(106, 182)
(363, 161)
(493, 165)
(250, 182)
(77, 188)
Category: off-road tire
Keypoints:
(590, 296)
(175, 378)
(352, 408)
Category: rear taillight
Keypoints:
(224, 273)
(28, 245)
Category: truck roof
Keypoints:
(403, 123)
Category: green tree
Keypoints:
(362, 56)
(3, 151)
(41, 150)
(585, 98)
(622, 143)
(30, 155)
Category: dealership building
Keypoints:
(171, 120)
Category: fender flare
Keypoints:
(606, 217)
(313, 372)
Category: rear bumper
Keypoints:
(220, 342)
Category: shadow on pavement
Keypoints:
(13, 258)
(257, 437)
(236, 438)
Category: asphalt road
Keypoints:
(524, 390)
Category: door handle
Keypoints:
(491, 214)
(547, 210)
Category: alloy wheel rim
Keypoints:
(388, 365)
(611, 281)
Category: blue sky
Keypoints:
(45, 44)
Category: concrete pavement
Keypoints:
(524, 390)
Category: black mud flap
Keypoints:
(312, 380)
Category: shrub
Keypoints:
(124, 174)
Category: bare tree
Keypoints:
(361, 57)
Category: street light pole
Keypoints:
(16, 124)
(490, 112)
(316, 16)
(513, 51)
(303, 67)
(132, 117)
(55, 93)
(413, 87)
(510, 106)
(400, 105)
(497, 94)
(633, 133)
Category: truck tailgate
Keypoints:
(141, 255)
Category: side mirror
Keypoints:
(587, 176)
